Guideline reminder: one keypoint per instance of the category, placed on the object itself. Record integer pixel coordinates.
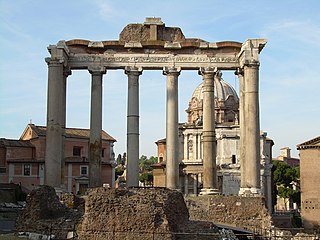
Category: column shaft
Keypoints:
(64, 182)
(210, 181)
(194, 144)
(243, 183)
(172, 151)
(195, 184)
(185, 146)
(252, 128)
(95, 144)
(186, 184)
(133, 128)
(55, 108)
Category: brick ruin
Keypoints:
(143, 213)
(242, 212)
(136, 213)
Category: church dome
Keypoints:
(226, 103)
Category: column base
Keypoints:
(250, 192)
(209, 191)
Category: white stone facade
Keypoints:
(227, 132)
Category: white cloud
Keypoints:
(106, 11)
(292, 31)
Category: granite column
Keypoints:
(172, 146)
(210, 180)
(251, 173)
(95, 142)
(133, 127)
(55, 108)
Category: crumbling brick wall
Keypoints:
(243, 212)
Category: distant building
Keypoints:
(285, 156)
(309, 182)
(23, 161)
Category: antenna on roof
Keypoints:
(30, 121)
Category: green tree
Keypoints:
(284, 174)
(118, 172)
(146, 177)
(145, 165)
(285, 178)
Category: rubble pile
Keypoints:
(72, 201)
(135, 213)
(45, 214)
(138, 213)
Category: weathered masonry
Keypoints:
(153, 46)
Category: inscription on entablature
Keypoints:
(153, 59)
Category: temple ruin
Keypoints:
(153, 46)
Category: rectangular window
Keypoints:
(102, 152)
(83, 170)
(234, 160)
(76, 151)
(26, 170)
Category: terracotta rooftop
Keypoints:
(15, 143)
(71, 132)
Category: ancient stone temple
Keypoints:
(153, 46)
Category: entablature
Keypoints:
(153, 46)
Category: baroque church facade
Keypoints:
(228, 159)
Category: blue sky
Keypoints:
(289, 78)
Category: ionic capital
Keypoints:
(97, 70)
(54, 61)
(59, 52)
(208, 71)
(239, 72)
(133, 71)
(251, 64)
(67, 72)
(171, 71)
